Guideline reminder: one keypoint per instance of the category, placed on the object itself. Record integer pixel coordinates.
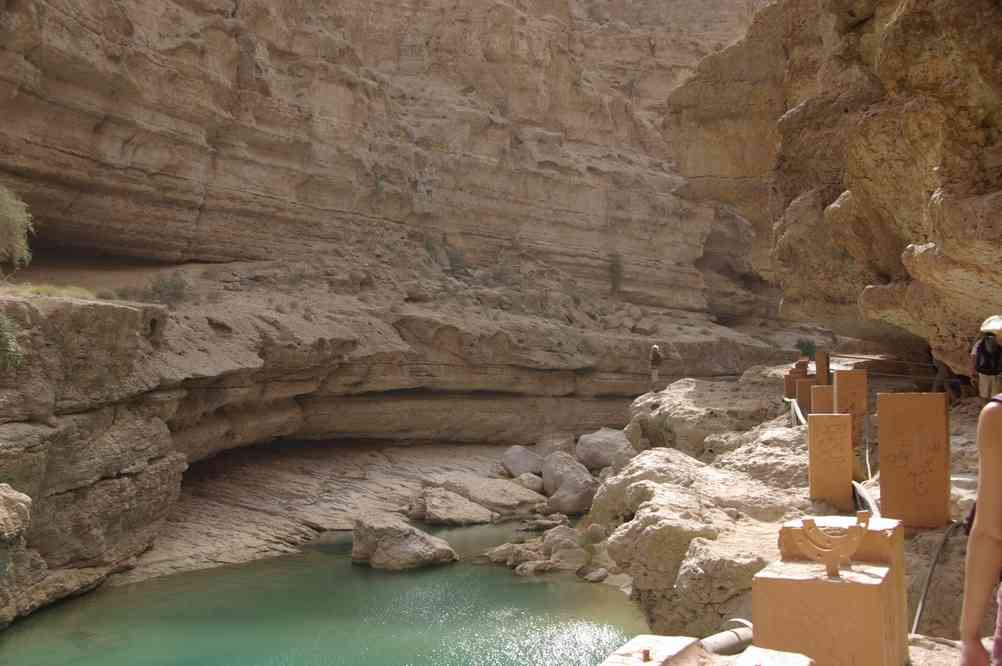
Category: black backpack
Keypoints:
(987, 362)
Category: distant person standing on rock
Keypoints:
(656, 359)
(984, 546)
(986, 359)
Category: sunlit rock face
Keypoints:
(457, 222)
(228, 130)
(869, 146)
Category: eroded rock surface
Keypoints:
(387, 541)
(869, 134)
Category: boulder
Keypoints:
(600, 449)
(514, 554)
(387, 541)
(438, 506)
(519, 460)
(596, 575)
(574, 496)
(560, 467)
(560, 538)
(531, 482)
(556, 442)
(499, 495)
(545, 523)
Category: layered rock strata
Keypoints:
(250, 130)
(867, 160)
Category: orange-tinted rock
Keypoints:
(823, 399)
(848, 620)
(851, 389)
(830, 457)
(915, 458)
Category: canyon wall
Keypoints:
(224, 130)
(862, 138)
(412, 221)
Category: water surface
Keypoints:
(317, 609)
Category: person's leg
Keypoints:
(996, 385)
(985, 386)
(655, 372)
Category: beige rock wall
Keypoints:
(226, 130)
(862, 141)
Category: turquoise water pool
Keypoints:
(316, 608)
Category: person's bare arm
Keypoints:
(984, 548)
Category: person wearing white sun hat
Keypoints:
(986, 359)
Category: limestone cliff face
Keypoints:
(872, 144)
(457, 222)
(227, 130)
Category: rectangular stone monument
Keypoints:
(804, 394)
(823, 399)
(851, 395)
(790, 381)
(883, 543)
(829, 456)
(822, 363)
(846, 620)
(915, 458)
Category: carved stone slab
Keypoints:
(915, 458)
(829, 459)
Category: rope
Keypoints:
(884, 359)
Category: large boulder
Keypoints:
(519, 460)
(387, 541)
(569, 483)
(558, 468)
(602, 448)
(574, 496)
(499, 495)
(438, 506)
(688, 411)
(556, 442)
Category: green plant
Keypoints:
(616, 272)
(169, 290)
(15, 227)
(806, 347)
(11, 356)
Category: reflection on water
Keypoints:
(318, 609)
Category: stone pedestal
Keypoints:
(830, 456)
(823, 400)
(834, 621)
(790, 381)
(851, 396)
(804, 387)
(915, 458)
(883, 543)
(822, 363)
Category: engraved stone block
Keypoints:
(915, 458)
(829, 451)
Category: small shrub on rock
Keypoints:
(806, 347)
(15, 227)
(170, 290)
